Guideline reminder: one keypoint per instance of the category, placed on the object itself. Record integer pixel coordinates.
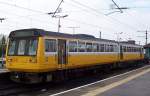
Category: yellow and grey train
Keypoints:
(34, 55)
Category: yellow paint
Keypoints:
(100, 90)
(84, 60)
(131, 57)
(50, 63)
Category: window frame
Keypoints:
(69, 45)
(17, 39)
(56, 45)
(91, 46)
(84, 46)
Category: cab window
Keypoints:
(21, 47)
(33, 46)
(12, 46)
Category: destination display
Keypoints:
(23, 33)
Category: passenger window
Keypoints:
(21, 47)
(89, 47)
(72, 46)
(95, 48)
(81, 46)
(50, 45)
(107, 48)
(102, 48)
(111, 48)
(115, 48)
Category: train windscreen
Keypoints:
(26, 46)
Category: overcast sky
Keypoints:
(91, 16)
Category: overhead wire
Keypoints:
(32, 10)
(28, 9)
(102, 14)
(83, 5)
(88, 12)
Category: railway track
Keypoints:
(9, 88)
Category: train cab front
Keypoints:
(23, 53)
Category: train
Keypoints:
(35, 55)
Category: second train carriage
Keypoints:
(33, 54)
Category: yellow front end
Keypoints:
(29, 63)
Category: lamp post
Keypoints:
(59, 17)
(118, 36)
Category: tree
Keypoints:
(3, 45)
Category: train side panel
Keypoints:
(132, 56)
(89, 59)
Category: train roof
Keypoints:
(41, 32)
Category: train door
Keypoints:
(62, 53)
(141, 52)
(121, 52)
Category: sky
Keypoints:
(89, 16)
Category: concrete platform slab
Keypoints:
(3, 71)
(137, 87)
(134, 83)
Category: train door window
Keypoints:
(95, 47)
(33, 46)
(89, 47)
(12, 46)
(21, 47)
(72, 46)
(50, 45)
(81, 46)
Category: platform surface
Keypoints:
(3, 70)
(135, 85)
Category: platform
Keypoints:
(136, 83)
(3, 70)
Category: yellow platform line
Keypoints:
(115, 84)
